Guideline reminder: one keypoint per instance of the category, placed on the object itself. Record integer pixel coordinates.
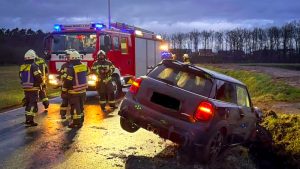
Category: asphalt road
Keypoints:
(100, 143)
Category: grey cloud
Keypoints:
(158, 15)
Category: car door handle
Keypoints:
(242, 114)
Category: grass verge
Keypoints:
(262, 87)
(11, 93)
(290, 66)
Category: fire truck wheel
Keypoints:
(117, 86)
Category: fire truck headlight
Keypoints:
(53, 82)
(51, 77)
(92, 79)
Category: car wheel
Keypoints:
(117, 86)
(128, 126)
(212, 149)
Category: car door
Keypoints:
(226, 93)
(248, 119)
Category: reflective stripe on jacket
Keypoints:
(27, 77)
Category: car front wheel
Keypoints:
(128, 126)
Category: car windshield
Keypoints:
(82, 42)
(196, 82)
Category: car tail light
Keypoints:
(204, 112)
(135, 86)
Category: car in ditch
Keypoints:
(192, 106)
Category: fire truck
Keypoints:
(133, 51)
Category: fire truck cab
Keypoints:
(133, 51)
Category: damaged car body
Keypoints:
(192, 106)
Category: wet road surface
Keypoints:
(100, 143)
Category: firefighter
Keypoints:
(75, 84)
(104, 69)
(42, 92)
(174, 57)
(31, 80)
(186, 58)
(62, 76)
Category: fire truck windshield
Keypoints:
(82, 42)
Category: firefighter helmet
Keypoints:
(101, 52)
(186, 56)
(74, 55)
(30, 55)
(68, 52)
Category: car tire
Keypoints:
(128, 126)
(212, 149)
(118, 86)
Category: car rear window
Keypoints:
(193, 81)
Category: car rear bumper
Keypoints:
(167, 127)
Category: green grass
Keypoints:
(11, 93)
(262, 87)
(285, 130)
(290, 66)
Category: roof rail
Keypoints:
(120, 25)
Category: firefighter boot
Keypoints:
(27, 122)
(30, 121)
(46, 105)
(63, 114)
(82, 118)
(103, 108)
(75, 123)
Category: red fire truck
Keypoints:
(134, 51)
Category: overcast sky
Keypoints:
(156, 15)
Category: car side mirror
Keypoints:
(258, 113)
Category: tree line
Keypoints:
(15, 42)
(272, 44)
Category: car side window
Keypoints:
(242, 96)
(226, 92)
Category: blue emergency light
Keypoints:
(166, 55)
(57, 27)
(98, 26)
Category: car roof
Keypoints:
(214, 74)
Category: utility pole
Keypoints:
(108, 14)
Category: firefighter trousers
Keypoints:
(31, 107)
(76, 102)
(106, 94)
(64, 106)
(43, 96)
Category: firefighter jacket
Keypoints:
(76, 78)
(31, 76)
(62, 73)
(42, 66)
(104, 70)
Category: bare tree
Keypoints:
(195, 34)
(205, 37)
